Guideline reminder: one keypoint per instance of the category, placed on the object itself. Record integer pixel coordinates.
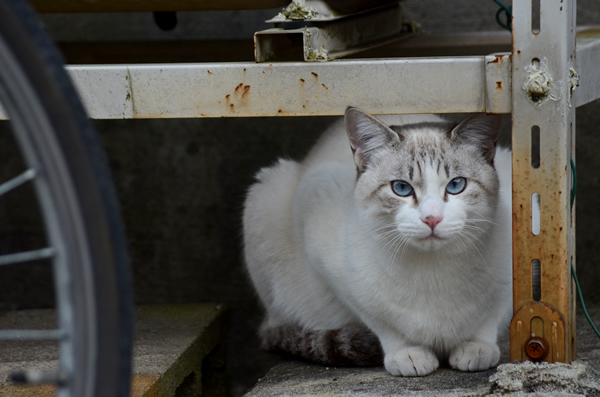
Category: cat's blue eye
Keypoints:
(402, 188)
(456, 185)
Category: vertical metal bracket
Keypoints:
(543, 326)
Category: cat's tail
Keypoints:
(350, 346)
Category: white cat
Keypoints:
(386, 245)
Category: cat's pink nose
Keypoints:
(432, 221)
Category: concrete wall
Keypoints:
(182, 182)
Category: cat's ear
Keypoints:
(367, 136)
(481, 130)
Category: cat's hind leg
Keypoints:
(351, 345)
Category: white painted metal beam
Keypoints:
(405, 85)
(400, 85)
(587, 66)
(282, 89)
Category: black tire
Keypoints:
(78, 204)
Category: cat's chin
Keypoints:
(430, 243)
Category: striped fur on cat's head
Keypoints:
(426, 185)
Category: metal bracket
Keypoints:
(543, 146)
(323, 36)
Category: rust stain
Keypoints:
(282, 112)
(209, 72)
(302, 80)
(314, 74)
(498, 59)
(246, 91)
(324, 86)
(241, 93)
(499, 85)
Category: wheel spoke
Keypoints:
(26, 256)
(39, 377)
(31, 334)
(17, 181)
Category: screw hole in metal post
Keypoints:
(536, 280)
(535, 16)
(535, 146)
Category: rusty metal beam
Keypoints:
(543, 143)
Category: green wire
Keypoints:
(507, 11)
(587, 315)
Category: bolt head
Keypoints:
(537, 349)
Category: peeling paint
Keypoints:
(297, 10)
(573, 82)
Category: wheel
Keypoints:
(77, 202)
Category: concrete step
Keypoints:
(581, 378)
(179, 350)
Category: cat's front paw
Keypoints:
(474, 356)
(412, 361)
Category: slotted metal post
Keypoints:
(543, 144)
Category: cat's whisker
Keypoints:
(472, 227)
(402, 244)
(472, 242)
(382, 236)
(395, 244)
(391, 225)
(388, 230)
(482, 220)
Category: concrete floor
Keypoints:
(581, 378)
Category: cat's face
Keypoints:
(428, 186)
